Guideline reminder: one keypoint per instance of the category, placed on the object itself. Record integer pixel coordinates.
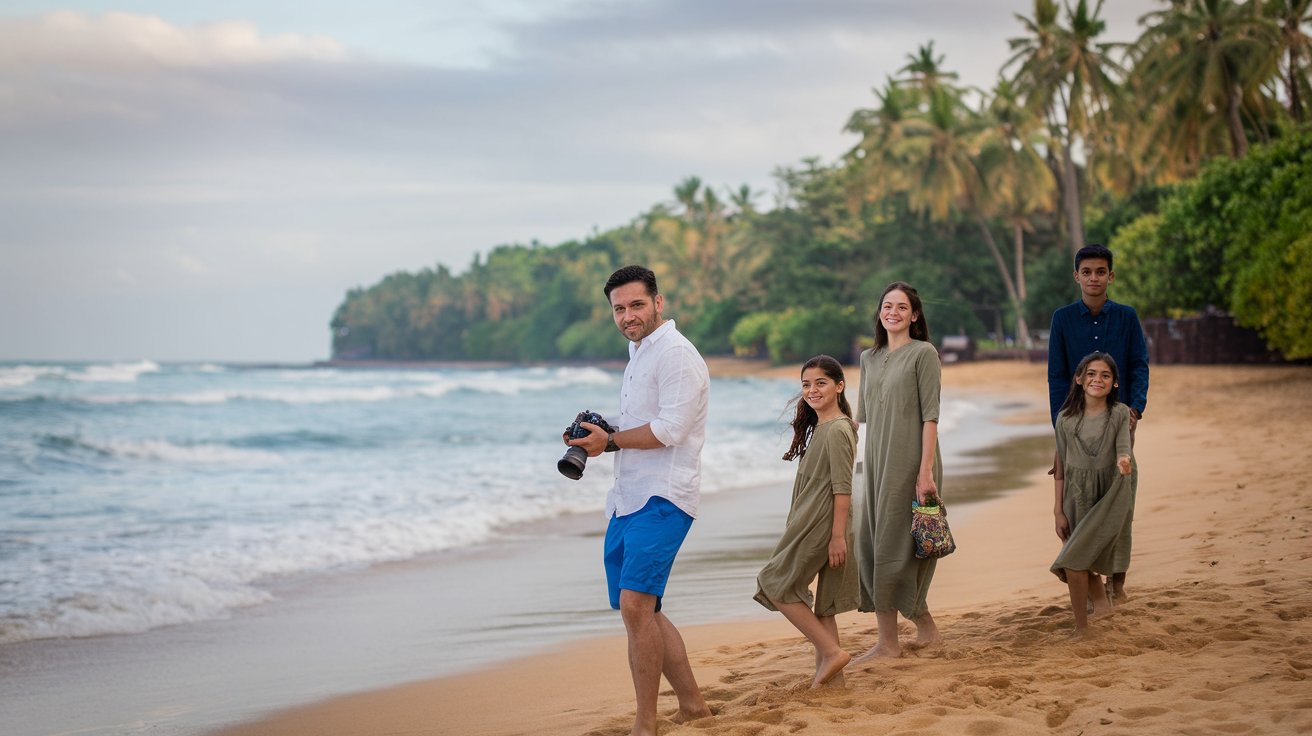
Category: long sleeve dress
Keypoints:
(1097, 500)
(823, 472)
(899, 393)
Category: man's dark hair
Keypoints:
(1093, 250)
(628, 275)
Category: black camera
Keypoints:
(576, 458)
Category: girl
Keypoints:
(817, 537)
(1094, 486)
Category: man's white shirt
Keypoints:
(667, 385)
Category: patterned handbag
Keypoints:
(929, 530)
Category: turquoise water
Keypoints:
(140, 495)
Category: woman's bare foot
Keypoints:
(829, 667)
(926, 632)
(879, 651)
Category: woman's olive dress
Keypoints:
(899, 393)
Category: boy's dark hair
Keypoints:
(1093, 250)
(628, 275)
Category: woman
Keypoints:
(899, 404)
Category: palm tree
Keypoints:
(938, 153)
(872, 171)
(1289, 17)
(1067, 76)
(1016, 179)
(1205, 56)
(744, 199)
(925, 71)
(685, 193)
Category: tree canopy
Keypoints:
(1186, 151)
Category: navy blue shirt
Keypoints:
(1076, 332)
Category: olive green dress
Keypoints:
(1097, 500)
(823, 472)
(899, 393)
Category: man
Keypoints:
(1098, 323)
(654, 499)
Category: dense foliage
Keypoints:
(977, 198)
(1237, 238)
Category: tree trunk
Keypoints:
(1070, 194)
(1238, 141)
(1018, 235)
(1021, 327)
(1295, 98)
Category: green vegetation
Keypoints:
(1187, 151)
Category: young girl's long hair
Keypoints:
(919, 329)
(1074, 403)
(805, 420)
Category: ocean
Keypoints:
(144, 502)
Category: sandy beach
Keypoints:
(1215, 637)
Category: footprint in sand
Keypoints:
(1146, 711)
(1058, 714)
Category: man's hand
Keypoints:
(594, 444)
(1134, 419)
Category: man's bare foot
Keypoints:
(830, 667)
(1119, 596)
(879, 651)
(1079, 634)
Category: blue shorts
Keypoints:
(641, 546)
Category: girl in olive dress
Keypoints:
(1095, 484)
(817, 537)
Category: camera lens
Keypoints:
(572, 464)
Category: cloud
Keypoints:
(123, 41)
(221, 158)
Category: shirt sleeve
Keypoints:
(842, 453)
(929, 381)
(683, 392)
(1137, 357)
(1059, 370)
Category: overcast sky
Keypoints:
(204, 180)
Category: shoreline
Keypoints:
(387, 624)
(1213, 635)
